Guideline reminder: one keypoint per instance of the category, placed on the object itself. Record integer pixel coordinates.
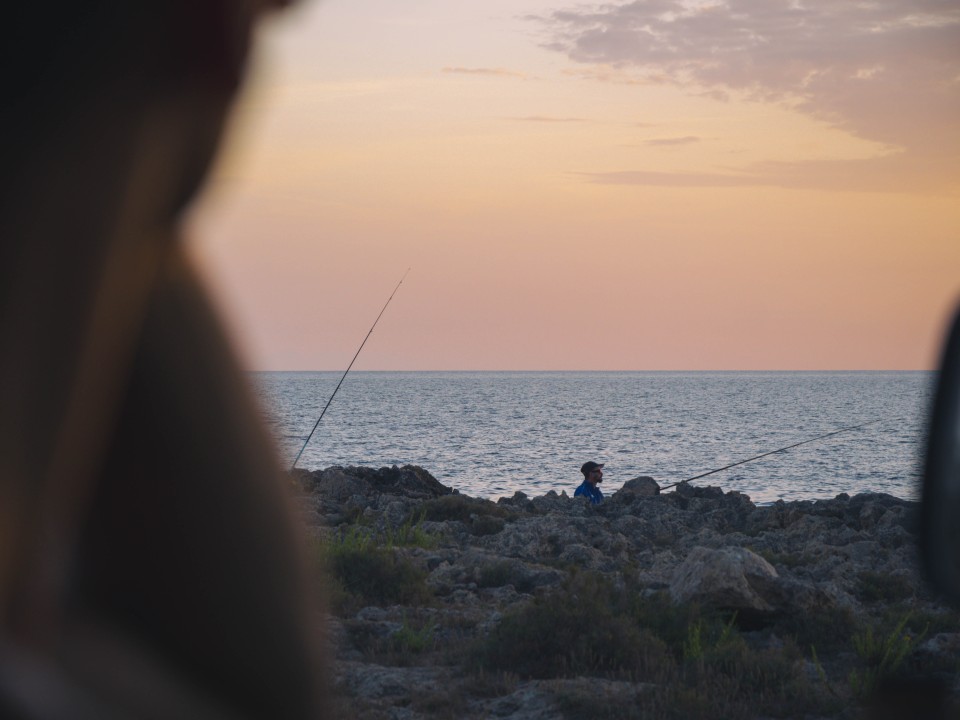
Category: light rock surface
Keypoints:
(732, 578)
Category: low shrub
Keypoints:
(829, 629)
(411, 639)
(670, 622)
(504, 572)
(399, 648)
(486, 524)
(410, 534)
(440, 705)
(363, 572)
(928, 622)
(881, 656)
(589, 704)
(481, 517)
(877, 586)
(755, 690)
(492, 683)
(698, 664)
(578, 631)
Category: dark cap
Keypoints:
(589, 466)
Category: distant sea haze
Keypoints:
(489, 434)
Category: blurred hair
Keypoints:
(149, 563)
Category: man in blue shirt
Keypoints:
(593, 476)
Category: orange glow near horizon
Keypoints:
(567, 206)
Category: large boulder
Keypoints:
(642, 486)
(731, 578)
(340, 483)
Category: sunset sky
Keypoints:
(650, 185)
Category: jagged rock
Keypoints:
(942, 648)
(371, 613)
(809, 560)
(535, 538)
(731, 578)
(394, 683)
(396, 513)
(598, 692)
(551, 502)
(582, 556)
(528, 702)
(582, 541)
(642, 486)
(335, 484)
(519, 500)
(693, 491)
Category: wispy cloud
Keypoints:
(664, 179)
(549, 119)
(494, 72)
(884, 71)
(615, 75)
(672, 141)
(884, 174)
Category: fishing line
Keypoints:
(757, 457)
(356, 355)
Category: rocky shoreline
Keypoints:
(692, 603)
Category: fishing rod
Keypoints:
(757, 457)
(356, 355)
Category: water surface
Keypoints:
(489, 434)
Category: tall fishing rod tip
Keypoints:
(345, 372)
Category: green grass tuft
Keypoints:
(410, 534)
(881, 656)
(365, 571)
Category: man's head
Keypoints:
(592, 472)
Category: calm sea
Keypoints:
(489, 434)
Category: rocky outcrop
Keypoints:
(702, 543)
(340, 494)
(851, 556)
(731, 578)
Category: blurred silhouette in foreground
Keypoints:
(149, 566)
